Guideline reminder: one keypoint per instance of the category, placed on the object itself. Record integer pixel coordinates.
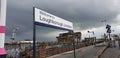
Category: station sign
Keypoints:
(46, 19)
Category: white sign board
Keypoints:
(43, 17)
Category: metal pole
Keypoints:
(74, 48)
(34, 34)
(73, 43)
(109, 35)
(109, 40)
(94, 38)
(105, 23)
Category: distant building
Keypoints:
(68, 38)
(25, 43)
(90, 40)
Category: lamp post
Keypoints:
(104, 22)
(13, 36)
(93, 36)
(13, 43)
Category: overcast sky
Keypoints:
(85, 15)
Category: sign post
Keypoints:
(34, 35)
(73, 43)
(45, 19)
(108, 27)
(3, 4)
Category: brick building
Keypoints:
(68, 38)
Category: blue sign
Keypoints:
(108, 27)
(108, 31)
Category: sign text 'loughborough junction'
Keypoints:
(49, 19)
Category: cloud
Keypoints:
(85, 14)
